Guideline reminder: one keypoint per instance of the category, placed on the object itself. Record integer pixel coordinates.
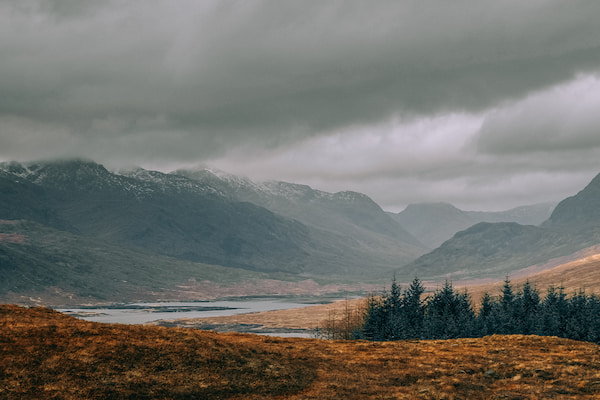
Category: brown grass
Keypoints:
(44, 355)
(581, 274)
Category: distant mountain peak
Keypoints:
(61, 170)
(438, 204)
(578, 211)
(434, 223)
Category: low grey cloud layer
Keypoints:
(486, 104)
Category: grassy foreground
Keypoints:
(44, 354)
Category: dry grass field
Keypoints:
(47, 355)
(581, 274)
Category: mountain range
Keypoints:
(492, 249)
(284, 230)
(434, 223)
(76, 226)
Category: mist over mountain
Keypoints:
(492, 249)
(434, 223)
(579, 213)
(275, 228)
(167, 215)
(80, 224)
(343, 213)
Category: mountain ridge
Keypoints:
(434, 223)
(499, 248)
(283, 229)
(200, 222)
(285, 198)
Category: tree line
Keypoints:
(407, 314)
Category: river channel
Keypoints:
(142, 313)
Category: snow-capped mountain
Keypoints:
(343, 213)
(209, 218)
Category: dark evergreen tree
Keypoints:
(526, 306)
(393, 307)
(593, 320)
(487, 321)
(507, 312)
(448, 314)
(553, 312)
(375, 320)
(578, 319)
(413, 309)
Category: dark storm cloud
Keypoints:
(275, 71)
(345, 92)
(563, 119)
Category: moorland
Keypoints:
(47, 355)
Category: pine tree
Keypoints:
(507, 309)
(448, 315)
(485, 319)
(579, 318)
(393, 306)
(526, 307)
(413, 309)
(375, 320)
(553, 312)
(593, 331)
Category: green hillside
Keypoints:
(89, 267)
(495, 249)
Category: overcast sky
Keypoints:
(484, 104)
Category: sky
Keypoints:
(484, 104)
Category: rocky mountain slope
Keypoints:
(167, 215)
(490, 250)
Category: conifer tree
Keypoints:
(449, 315)
(527, 303)
(375, 320)
(413, 309)
(393, 306)
(553, 313)
(506, 317)
(579, 318)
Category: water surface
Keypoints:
(141, 313)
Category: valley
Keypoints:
(74, 232)
(582, 273)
